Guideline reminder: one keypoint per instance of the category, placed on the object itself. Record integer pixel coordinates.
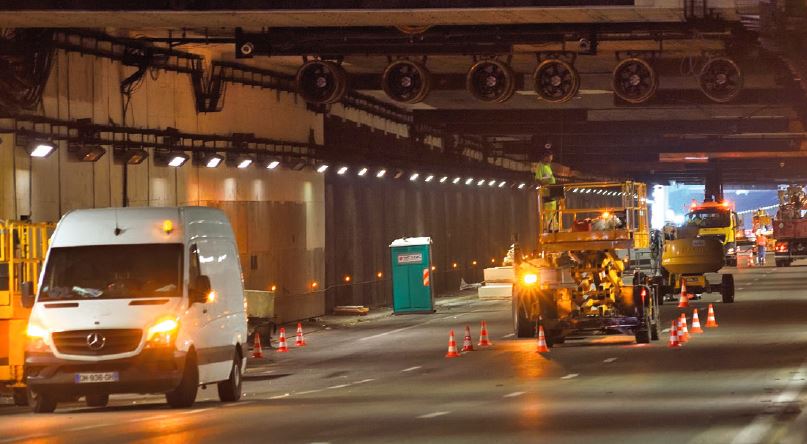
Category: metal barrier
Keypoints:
(23, 246)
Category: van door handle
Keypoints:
(204, 311)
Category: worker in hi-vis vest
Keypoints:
(544, 176)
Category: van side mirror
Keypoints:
(28, 296)
(199, 289)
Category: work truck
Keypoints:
(716, 220)
(790, 226)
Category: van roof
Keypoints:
(139, 225)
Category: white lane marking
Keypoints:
(666, 330)
(147, 418)
(22, 438)
(513, 395)
(761, 426)
(191, 412)
(87, 427)
(433, 415)
(363, 381)
(284, 395)
(411, 369)
(308, 392)
(740, 288)
(610, 360)
(397, 330)
(338, 386)
(570, 376)
(510, 335)
(232, 404)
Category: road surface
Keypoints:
(386, 380)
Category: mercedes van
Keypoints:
(137, 300)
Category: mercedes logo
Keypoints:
(96, 341)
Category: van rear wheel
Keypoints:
(185, 393)
(230, 390)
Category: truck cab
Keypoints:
(716, 220)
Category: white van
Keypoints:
(137, 300)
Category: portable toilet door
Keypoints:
(412, 290)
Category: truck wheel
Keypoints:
(727, 288)
(97, 400)
(43, 403)
(230, 390)
(642, 337)
(22, 396)
(522, 326)
(185, 393)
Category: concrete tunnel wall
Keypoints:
(280, 217)
(466, 224)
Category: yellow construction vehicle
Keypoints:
(23, 246)
(716, 220)
(574, 286)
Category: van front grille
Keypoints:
(97, 342)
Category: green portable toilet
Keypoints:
(411, 275)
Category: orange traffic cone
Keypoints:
(683, 332)
(300, 339)
(711, 322)
(673, 336)
(281, 342)
(696, 323)
(452, 346)
(257, 348)
(542, 348)
(683, 300)
(484, 341)
(467, 344)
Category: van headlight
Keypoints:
(530, 279)
(35, 338)
(163, 333)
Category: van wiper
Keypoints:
(87, 292)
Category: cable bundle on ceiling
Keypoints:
(26, 57)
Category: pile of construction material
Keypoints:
(498, 284)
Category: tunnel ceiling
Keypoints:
(679, 134)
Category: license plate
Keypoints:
(89, 378)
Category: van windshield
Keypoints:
(113, 272)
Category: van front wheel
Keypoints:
(185, 393)
(43, 403)
(230, 390)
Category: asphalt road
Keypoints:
(387, 381)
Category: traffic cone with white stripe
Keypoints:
(674, 336)
(683, 300)
(452, 346)
(484, 341)
(683, 332)
(282, 347)
(711, 322)
(257, 348)
(467, 344)
(300, 339)
(542, 347)
(696, 323)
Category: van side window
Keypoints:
(193, 265)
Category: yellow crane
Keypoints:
(23, 246)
